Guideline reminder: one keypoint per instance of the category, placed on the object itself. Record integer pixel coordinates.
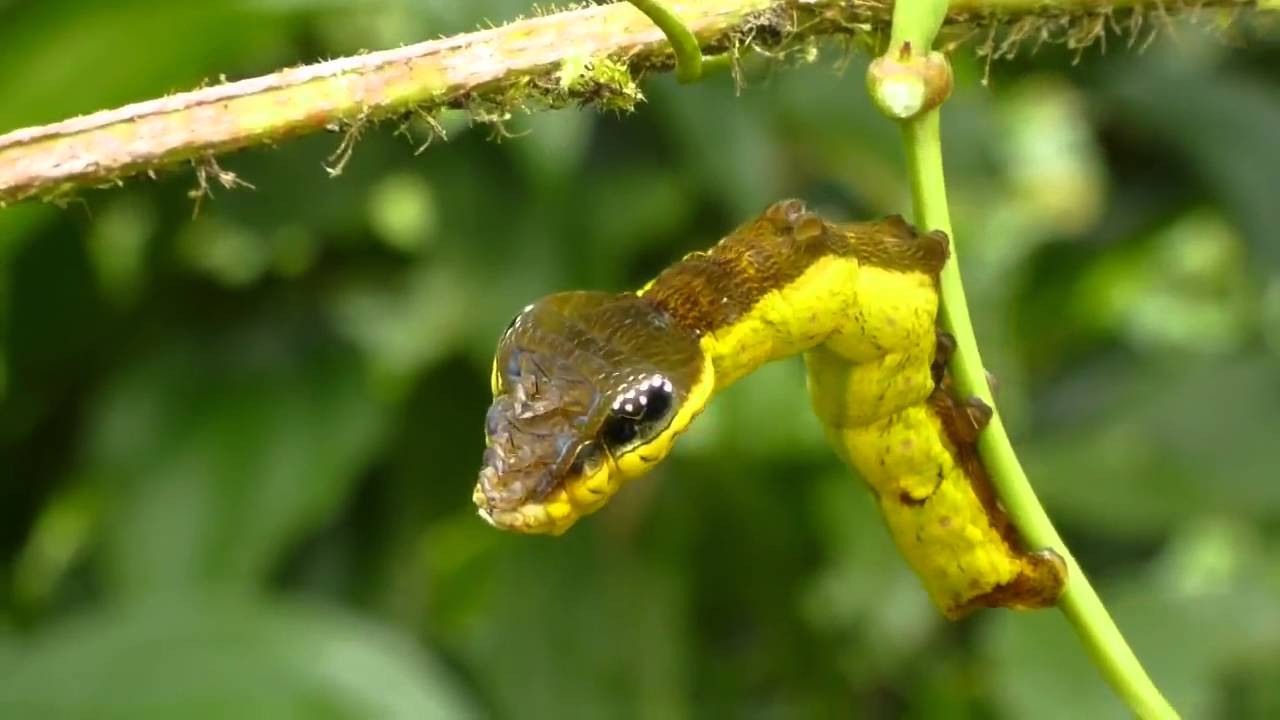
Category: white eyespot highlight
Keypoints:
(630, 407)
(644, 399)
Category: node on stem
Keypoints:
(904, 85)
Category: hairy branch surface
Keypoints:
(588, 55)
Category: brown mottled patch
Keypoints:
(1038, 586)
(958, 431)
(712, 289)
(1043, 574)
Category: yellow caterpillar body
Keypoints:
(592, 389)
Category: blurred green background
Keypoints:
(237, 451)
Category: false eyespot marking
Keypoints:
(641, 409)
(629, 394)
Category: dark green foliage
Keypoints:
(237, 452)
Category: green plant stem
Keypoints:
(683, 42)
(917, 21)
(1079, 602)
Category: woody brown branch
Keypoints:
(513, 67)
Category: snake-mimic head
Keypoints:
(590, 389)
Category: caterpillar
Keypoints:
(591, 389)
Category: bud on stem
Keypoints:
(904, 85)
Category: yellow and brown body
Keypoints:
(592, 389)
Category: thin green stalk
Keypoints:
(1079, 602)
(683, 42)
(917, 21)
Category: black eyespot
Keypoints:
(657, 407)
(619, 431)
(639, 414)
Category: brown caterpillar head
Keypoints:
(590, 389)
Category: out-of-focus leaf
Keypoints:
(1178, 441)
(618, 634)
(16, 222)
(731, 157)
(1035, 667)
(48, 46)
(1206, 607)
(201, 660)
(354, 25)
(844, 136)
(402, 211)
(118, 245)
(626, 208)
(403, 326)
(866, 596)
(1271, 314)
(1174, 95)
(57, 541)
(232, 254)
(1054, 166)
(214, 459)
(553, 144)
(1184, 290)
(64, 58)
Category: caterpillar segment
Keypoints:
(592, 389)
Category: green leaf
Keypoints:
(865, 594)
(215, 458)
(53, 46)
(577, 628)
(553, 145)
(1141, 457)
(195, 661)
(733, 157)
(1173, 95)
(403, 325)
(1204, 608)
